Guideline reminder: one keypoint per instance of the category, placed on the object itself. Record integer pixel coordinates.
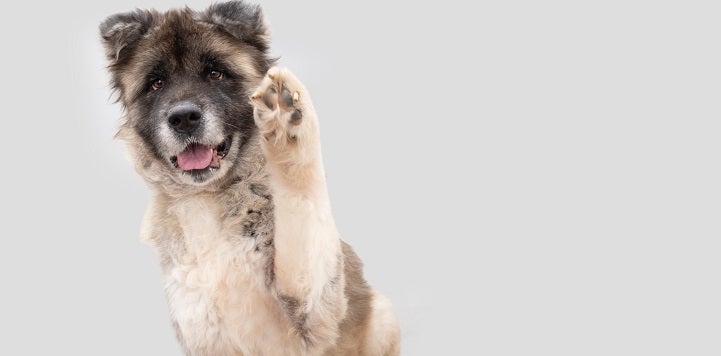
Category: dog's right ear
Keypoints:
(121, 32)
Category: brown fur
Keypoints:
(239, 278)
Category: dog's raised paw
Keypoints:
(279, 106)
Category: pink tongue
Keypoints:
(195, 157)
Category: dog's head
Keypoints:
(184, 78)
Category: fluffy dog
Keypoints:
(240, 217)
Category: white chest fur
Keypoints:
(217, 289)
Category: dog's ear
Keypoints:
(121, 32)
(242, 21)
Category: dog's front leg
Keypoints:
(307, 262)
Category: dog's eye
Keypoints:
(157, 84)
(216, 75)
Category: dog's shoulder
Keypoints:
(238, 214)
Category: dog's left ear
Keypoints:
(242, 21)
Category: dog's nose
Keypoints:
(184, 118)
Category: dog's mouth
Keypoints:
(199, 157)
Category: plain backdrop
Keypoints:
(520, 177)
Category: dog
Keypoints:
(240, 217)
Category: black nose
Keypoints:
(184, 118)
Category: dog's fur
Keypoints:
(250, 255)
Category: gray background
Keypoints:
(520, 177)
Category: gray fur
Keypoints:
(140, 42)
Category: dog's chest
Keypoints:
(218, 286)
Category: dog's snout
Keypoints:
(184, 118)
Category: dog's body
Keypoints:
(252, 261)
